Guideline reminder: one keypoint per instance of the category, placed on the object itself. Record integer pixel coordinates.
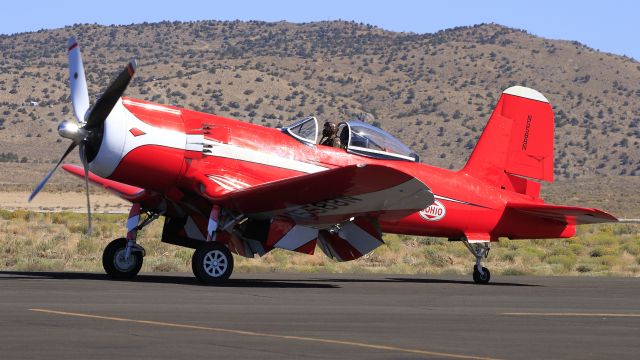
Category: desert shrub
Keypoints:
(600, 251)
(184, 255)
(20, 215)
(511, 244)
(531, 250)
(561, 250)
(566, 261)
(509, 256)
(632, 247)
(583, 268)
(513, 271)
(436, 257)
(165, 266)
(6, 214)
(428, 240)
(626, 229)
(608, 260)
(88, 246)
(576, 248)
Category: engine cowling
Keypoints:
(143, 144)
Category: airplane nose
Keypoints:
(70, 130)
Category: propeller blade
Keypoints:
(85, 165)
(109, 98)
(79, 92)
(46, 178)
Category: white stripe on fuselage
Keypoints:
(231, 151)
(118, 141)
(153, 107)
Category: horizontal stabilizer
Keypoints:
(571, 215)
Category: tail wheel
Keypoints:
(481, 277)
(115, 262)
(212, 263)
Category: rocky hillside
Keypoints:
(434, 91)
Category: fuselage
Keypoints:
(167, 149)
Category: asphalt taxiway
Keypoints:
(293, 316)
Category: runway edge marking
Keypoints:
(572, 314)
(259, 334)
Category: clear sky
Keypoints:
(611, 26)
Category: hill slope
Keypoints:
(434, 91)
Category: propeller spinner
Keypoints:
(86, 130)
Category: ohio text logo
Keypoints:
(434, 212)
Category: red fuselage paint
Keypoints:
(466, 204)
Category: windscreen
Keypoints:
(305, 129)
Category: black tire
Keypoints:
(114, 264)
(479, 278)
(212, 263)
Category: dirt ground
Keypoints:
(102, 202)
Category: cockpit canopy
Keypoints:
(368, 140)
(356, 137)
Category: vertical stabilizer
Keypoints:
(517, 143)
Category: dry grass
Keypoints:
(48, 201)
(55, 242)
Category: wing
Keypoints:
(127, 192)
(330, 197)
(336, 209)
(572, 215)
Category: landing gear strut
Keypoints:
(122, 258)
(481, 275)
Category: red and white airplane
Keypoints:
(225, 186)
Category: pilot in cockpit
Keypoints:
(330, 135)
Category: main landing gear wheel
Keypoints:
(212, 263)
(480, 250)
(115, 262)
(481, 277)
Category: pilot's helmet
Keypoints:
(329, 129)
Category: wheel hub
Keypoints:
(215, 263)
(122, 263)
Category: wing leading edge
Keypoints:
(127, 192)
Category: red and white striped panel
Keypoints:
(195, 227)
(354, 239)
(212, 226)
(285, 234)
(132, 222)
(244, 247)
